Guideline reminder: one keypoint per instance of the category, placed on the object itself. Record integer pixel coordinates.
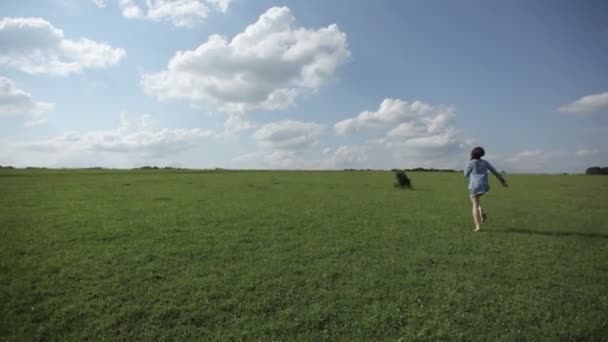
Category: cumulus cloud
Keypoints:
(399, 134)
(100, 3)
(412, 133)
(353, 156)
(283, 145)
(535, 160)
(587, 104)
(527, 155)
(265, 67)
(16, 102)
(264, 159)
(220, 5)
(181, 13)
(409, 120)
(236, 123)
(288, 135)
(132, 137)
(585, 152)
(35, 46)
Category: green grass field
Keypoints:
(176, 256)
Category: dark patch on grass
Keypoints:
(246, 240)
(107, 238)
(258, 187)
(126, 184)
(162, 199)
(545, 233)
(22, 252)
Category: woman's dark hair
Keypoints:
(477, 152)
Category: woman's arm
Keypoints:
(468, 170)
(498, 175)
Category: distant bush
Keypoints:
(8, 167)
(596, 170)
(361, 170)
(403, 181)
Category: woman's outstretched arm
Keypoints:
(502, 180)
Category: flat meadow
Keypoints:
(299, 255)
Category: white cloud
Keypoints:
(353, 156)
(220, 5)
(236, 123)
(135, 138)
(265, 159)
(181, 13)
(413, 119)
(283, 145)
(549, 160)
(535, 160)
(398, 135)
(131, 10)
(527, 155)
(288, 135)
(100, 3)
(17, 102)
(34, 46)
(411, 134)
(585, 152)
(265, 67)
(587, 104)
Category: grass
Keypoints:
(169, 255)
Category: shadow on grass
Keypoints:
(545, 233)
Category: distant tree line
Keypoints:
(152, 167)
(596, 170)
(422, 169)
(418, 169)
(157, 168)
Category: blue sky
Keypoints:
(304, 84)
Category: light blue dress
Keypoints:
(477, 173)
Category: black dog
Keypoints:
(402, 180)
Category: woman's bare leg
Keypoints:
(476, 213)
(482, 215)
